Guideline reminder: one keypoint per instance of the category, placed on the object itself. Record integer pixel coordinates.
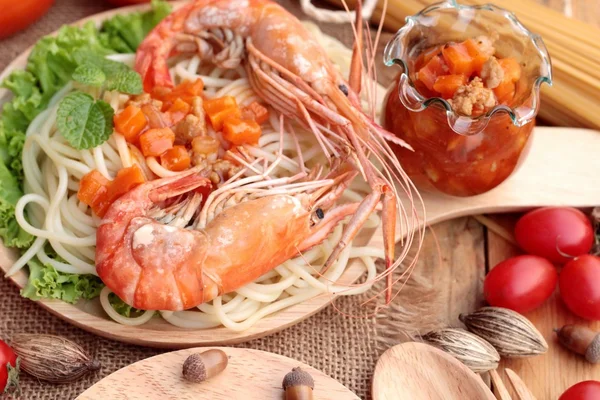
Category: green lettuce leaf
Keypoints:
(52, 61)
(124, 32)
(45, 282)
(10, 192)
(51, 65)
(123, 308)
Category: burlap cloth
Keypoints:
(342, 347)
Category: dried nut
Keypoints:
(471, 350)
(202, 366)
(52, 358)
(509, 332)
(581, 340)
(298, 385)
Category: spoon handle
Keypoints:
(519, 385)
(501, 390)
(558, 168)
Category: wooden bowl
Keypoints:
(90, 316)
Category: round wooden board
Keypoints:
(90, 316)
(540, 180)
(250, 374)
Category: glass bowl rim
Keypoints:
(483, 119)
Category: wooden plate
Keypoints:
(90, 316)
(250, 375)
(560, 169)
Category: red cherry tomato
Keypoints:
(7, 378)
(579, 284)
(553, 232)
(586, 390)
(18, 15)
(520, 283)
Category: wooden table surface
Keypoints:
(468, 250)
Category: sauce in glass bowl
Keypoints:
(466, 97)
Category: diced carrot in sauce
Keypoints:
(512, 69)
(213, 106)
(185, 91)
(190, 88)
(177, 111)
(447, 85)
(458, 59)
(256, 111)
(130, 123)
(477, 56)
(154, 142)
(220, 117)
(93, 188)
(241, 131)
(99, 193)
(205, 145)
(126, 180)
(428, 54)
(505, 92)
(429, 73)
(176, 159)
(218, 110)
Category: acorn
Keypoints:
(298, 385)
(202, 366)
(581, 340)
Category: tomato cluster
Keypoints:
(551, 236)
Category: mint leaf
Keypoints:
(85, 123)
(118, 75)
(127, 81)
(89, 74)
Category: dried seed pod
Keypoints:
(471, 350)
(202, 366)
(581, 340)
(298, 385)
(52, 358)
(512, 334)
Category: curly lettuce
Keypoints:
(124, 33)
(45, 282)
(50, 66)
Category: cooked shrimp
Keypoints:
(292, 73)
(156, 266)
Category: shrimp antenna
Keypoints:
(356, 65)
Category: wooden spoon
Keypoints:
(417, 371)
(559, 167)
